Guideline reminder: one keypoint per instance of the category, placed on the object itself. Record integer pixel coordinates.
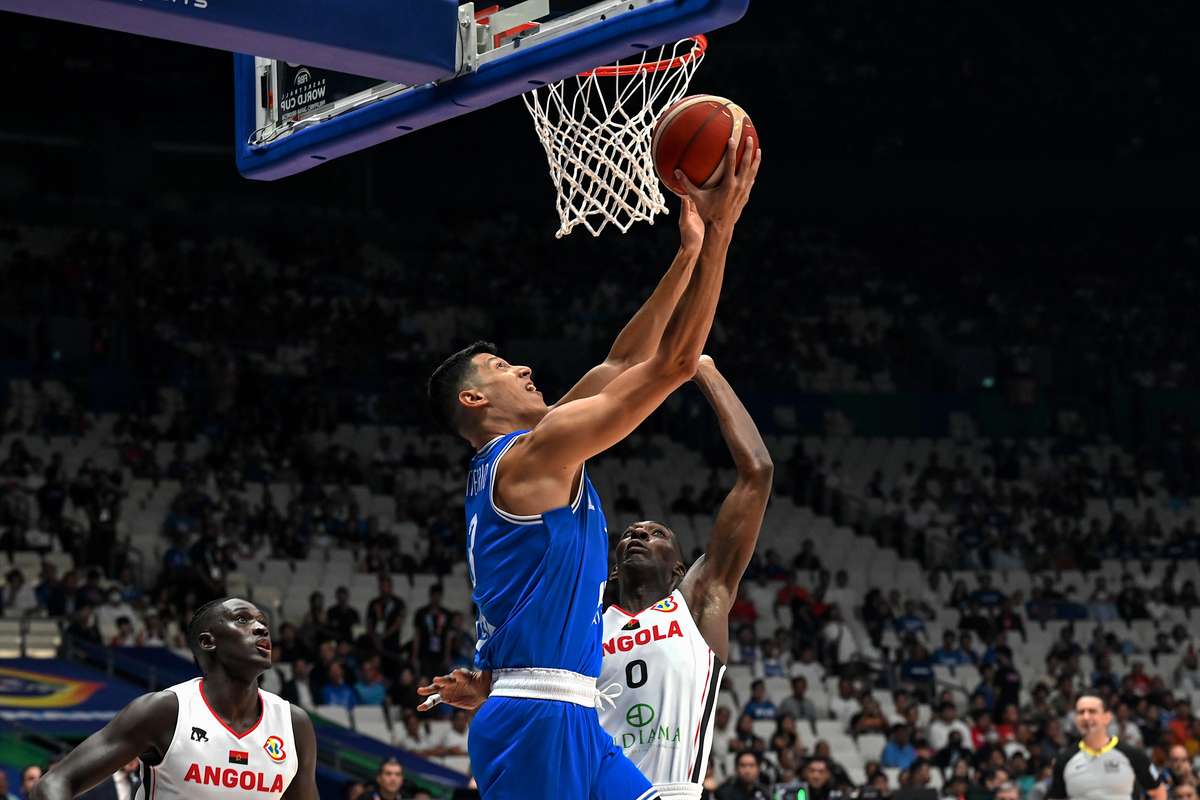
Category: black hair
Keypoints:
(447, 380)
(200, 620)
(1096, 693)
(389, 761)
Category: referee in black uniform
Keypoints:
(1102, 767)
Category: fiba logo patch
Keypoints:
(302, 77)
(668, 605)
(274, 749)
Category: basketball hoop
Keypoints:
(596, 128)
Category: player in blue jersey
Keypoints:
(537, 541)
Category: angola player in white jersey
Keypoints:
(666, 638)
(217, 736)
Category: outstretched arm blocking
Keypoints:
(712, 582)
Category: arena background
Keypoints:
(973, 247)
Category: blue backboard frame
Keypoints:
(401, 40)
(524, 68)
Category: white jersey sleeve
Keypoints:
(663, 678)
(208, 760)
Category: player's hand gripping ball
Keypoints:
(693, 135)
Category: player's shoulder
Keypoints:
(156, 710)
(299, 715)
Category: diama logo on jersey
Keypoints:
(667, 604)
(22, 689)
(642, 717)
(274, 748)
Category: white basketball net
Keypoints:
(596, 129)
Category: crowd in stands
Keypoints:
(260, 345)
(337, 313)
(867, 669)
(1023, 506)
(962, 689)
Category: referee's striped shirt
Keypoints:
(1116, 771)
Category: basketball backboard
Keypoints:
(401, 40)
(292, 116)
(329, 77)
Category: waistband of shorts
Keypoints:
(679, 791)
(545, 684)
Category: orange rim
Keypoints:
(699, 46)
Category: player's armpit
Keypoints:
(140, 726)
(304, 785)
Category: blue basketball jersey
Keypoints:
(539, 580)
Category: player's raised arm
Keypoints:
(145, 724)
(712, 583)
(574, 432)
(639, 338)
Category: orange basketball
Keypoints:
(691, 136)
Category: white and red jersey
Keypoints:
(668, 678)
(207, 759)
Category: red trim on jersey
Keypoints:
(644, 610)
(153, 782)
(262, 711)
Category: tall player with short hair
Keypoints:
(537, 541)
(213, 737)
(667, 658)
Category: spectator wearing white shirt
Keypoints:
(947, 721)
(840, 643)
(108, 614)
(18, 594)
(840, 594)
(845, 704)
(452, 740)
(413, 734)
(808, 666)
